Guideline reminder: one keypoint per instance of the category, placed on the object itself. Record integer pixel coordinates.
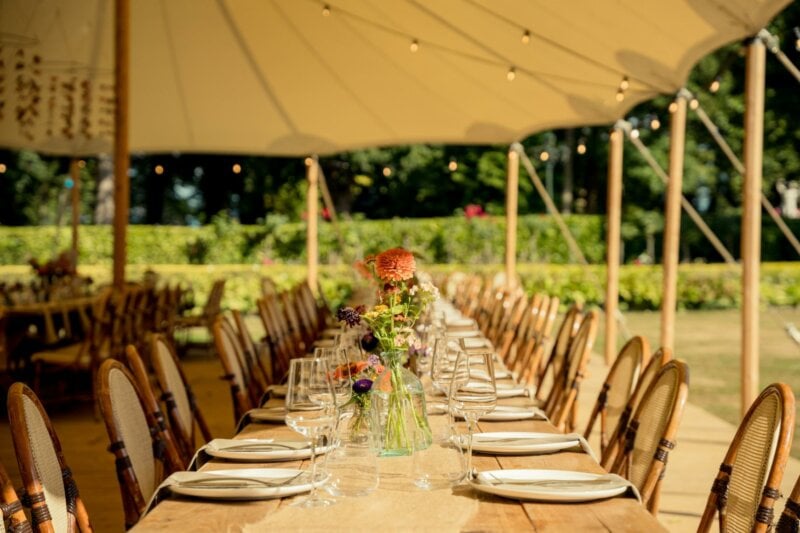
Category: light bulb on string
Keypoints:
(3, 168)
(655, 124)
(453, 165)
(526, 37)
(673, 106)
(624, 84)
(81, 164)
(544, 156)
(308, 161)
(511, 74)
(414, 46)
(387, 171)
(694, 104)
(159, 170)
(714, 87)
(581, 149)
(326, 10)
(620, 95)
(237, 168)
(634, 133)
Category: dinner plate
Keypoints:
(459, 323)
(268, 414)
(513, 412)
(499, 373)
(465, 333)
(260, 449)
(227, 490)
(521, 442)
(550, 485)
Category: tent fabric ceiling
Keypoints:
(296, 77)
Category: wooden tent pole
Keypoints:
(75, 175)
(512, 205)
(312, 211)
(613, 222)
(751, 217)
(672, 223)
(328, 201)
(121, 182)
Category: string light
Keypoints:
(414, 46)
(620, 95)
(624, 84)
(2, 168)
(673, 107)
(526, 37)
(387, 171)
(544, 156)
(714, 87)
(453, 165)
(581, 149)
(634, 133)
(308, 161)
(694, 104)
(159, 170)
(237, 168)
(655, 124)
(512, 74)
(326, 10)
(81, 164)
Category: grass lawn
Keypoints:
(709, 341)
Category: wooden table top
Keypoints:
(398, 505)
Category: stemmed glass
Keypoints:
(445, 355)
(310, 411)
(473, 393)
(338, 368)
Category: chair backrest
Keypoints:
(566, 332)
(48, 484)
(225, 343)
(11, 508)
(561, 404)
(173, 460)
(177, 396)
(749, 478)
(651, 433)
(789, 522)
(252, 352)
(618, 386)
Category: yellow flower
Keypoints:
(380, 308)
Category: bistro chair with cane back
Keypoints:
(616, 441)
(617, 388)
(253, 350)
(185, 417)
(554, 363)
(252, 384)
(48, 487)
(561, 406)
(747, 485)
(138, 450)
(235, 375)
(172, 454)
(651, 433)
(14, 519)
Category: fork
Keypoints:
(603, 480)
(224, 482)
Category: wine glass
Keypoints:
(473, 392)
(445, 354)
(338, 368)
(310, 411)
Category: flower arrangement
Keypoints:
(363, 375)
(401, 299)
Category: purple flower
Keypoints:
(373, 360)
(362, 386)
(349, 315)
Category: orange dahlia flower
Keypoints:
(396, 264)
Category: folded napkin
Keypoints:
(509, 390)
(202, 456)
(512, 441)
(459, 322)
(501, 410)
(248, 418)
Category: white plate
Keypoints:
(232, 449)
(247, 493)
(278, 391)
(459, 322)
(509, 390)
(268, 414)
(573, 491)
(466, 334)
(499, 373)
(520, 442)
(512, 412)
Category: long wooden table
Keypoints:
(398, 505)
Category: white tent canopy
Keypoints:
(294, 77)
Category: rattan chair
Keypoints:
(138, 452)
(259, 369)
(616, 441)
(789, 522)
(14, 519)
(561, 405)
(749, 478)
(174, 460)
(566, 332)
(185, 417)
(617, 388)
(651, 433)
(235, 375)
(49, 489)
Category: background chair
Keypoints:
(13, 516)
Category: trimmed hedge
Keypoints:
(699, 286)
(437, 240)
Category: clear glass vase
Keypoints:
(353, 464)
(399, 401)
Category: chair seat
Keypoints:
(191, 321)
(72, 354)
